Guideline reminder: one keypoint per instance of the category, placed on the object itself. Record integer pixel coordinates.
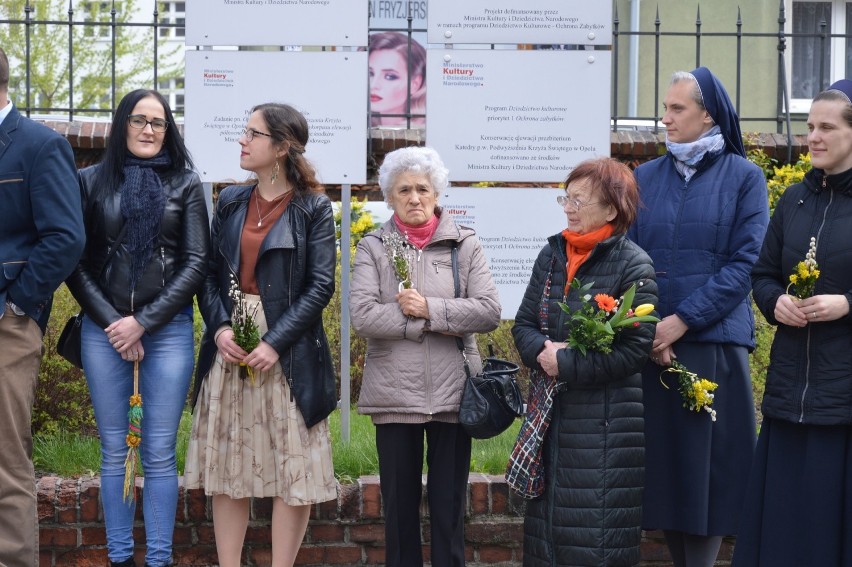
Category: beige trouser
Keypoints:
(20, 356)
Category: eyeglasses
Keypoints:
(573, 204)
(139, 122)
(250, 133)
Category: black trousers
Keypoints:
(400, 449)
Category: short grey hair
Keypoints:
(413, 159)
(679, 76)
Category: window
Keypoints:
(96, 12)
(173, 90)
(172, 13)
(810, 54)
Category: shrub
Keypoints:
(62, 401)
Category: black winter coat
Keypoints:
(594, 456)
(295, 276)
(810, 371)
(173, 275)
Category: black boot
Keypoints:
(126, 563)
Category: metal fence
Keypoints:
(779, 37)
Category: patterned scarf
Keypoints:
(142, 204)
(689, 154)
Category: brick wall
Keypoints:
(348, 531)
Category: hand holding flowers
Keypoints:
(246, 331)
(594, 327)
(400, 254)
(804, 277)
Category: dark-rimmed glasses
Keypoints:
(139, 122)
(250, 133)
(573, 204)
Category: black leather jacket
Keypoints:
(174, 274)
(295, 276)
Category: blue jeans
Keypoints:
(164, 376)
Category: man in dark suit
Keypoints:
(41, 239)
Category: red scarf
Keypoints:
(419, 235)
(579, 246)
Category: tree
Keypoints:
(51, 67)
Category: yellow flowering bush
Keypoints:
(361, 221)
(785, 176)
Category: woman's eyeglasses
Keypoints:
(250, 133)
(139, 122)
(573, 204)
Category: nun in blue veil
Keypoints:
(704, 218)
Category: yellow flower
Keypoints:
(644, 309)
(794, 279)
(802, 270)
(136, 400)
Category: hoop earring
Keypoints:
(275, 169)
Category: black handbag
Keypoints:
(70, 343)
(491, 400)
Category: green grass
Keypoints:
(73, 455)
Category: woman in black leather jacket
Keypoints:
(147, 241)
(260, 427)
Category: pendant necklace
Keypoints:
(260, 218)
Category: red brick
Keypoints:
(46, 497)
(204, 534)
(93, 536)
(309, 555)
(195, 555)
(325, 510)
(196, 506)
(262, 556)
(494, 532)
(350, 501)
(45, 558)
(58, 537)
(262, 509)
(258, 534)
(494, 554)
(182, 535)
(367, 533)
(478, 485)
(89, 506)
(82, 558)
(86, 134)
(499, 496)
(375, 555)
(342, 554)
(371, 497)
(327, 533)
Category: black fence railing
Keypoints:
(23, 26)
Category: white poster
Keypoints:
(513, 225)
(329, 88)
(520, 21)
(521, 116)
(276, 22)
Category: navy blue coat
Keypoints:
(704, 235)
(41, 222)
(810, 372)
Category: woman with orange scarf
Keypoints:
(587, 510)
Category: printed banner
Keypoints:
(223, 86)
(521, 116)
(520, 21)
(276, 22)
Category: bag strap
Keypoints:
(454, 256)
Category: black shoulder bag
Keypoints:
(69, 345)
(492, 399)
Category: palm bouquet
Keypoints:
(400, 254)
(246, 331)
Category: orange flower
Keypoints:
(605, 302)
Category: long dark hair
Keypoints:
(288, 125)
(110, 174)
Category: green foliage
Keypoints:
(50, 66)
(62, 401)
(759, 359)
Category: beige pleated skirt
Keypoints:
(250, 440)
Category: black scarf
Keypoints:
(142, 204)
